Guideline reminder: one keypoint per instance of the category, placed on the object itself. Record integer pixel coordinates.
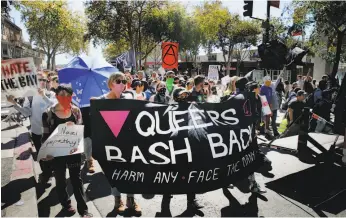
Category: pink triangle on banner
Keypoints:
(115, 120)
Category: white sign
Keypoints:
(18, 77)
(65, 140)
(265, 106)
(213, 72)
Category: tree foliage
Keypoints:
(235, 36)
(120, 24)
(329, 23)
(53, 28)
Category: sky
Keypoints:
(234, 6)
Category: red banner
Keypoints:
(170, 55)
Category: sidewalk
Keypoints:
(18, 197)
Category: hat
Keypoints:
(301, 93)
(267, 78)
(177, 94)
(137, 82)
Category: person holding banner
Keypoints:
(117, 84)
(139, 87)
(197, 93)
(33, 107)
(65, 112)
(160, 96)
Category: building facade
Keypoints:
(13, 46)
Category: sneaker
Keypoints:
(256, 188)
(119, 205)
(87, 215)
(69, 210)
(91, 167)
(132, 205)
(193, 205)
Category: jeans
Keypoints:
(46, 166)
(73, 163)
(273, 119)
(116, 193)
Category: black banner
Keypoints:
(144, 147)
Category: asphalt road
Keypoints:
(294, 190)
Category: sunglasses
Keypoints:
(168, 77)
(118, 81)
(42, 80)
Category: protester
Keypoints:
(189, 85)
(214, 97)
(275, 105)
(65, 113)
(294, 86)
(176, 80)
(116, 85)
(295, 110)
(141, 75)
(33, 107)
(54, 83)
(139, 87)
(206, 90)
(160, 96)
(322, 85)
(197, 94)
(267, 91)
(151, 89)
(231, 89)
(300, 81)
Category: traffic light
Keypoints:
(248, 8)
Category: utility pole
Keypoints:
(268, 22)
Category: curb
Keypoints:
(21, 190)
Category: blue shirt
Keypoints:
(268, 92)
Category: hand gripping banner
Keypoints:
(170, 56)
(144, 147)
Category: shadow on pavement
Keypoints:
(191, 213)
(235, 209)
(10, 127)
(11, 193)
(8, 145)
(126, 213)
(321, 187)
(52, 199)
(98, 185)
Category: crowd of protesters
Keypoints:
(53, 106)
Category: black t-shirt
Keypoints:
(196, 96)
(297, 107)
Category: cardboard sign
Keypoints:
(145, 147)
(18, 77)
(170, 58)
(65, 140)
(213, 72)
(257, 75)
(265, 106)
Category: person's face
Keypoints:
(64, 93)
(55, 83)
(140, 76)
(189, 86)
(140, 88)
(300, 98)
(42, 82)
(176, 82)
(169, 76)
(160, 86)
(257, 90)
(299, 78)
(267, 83)
(294, 86)
(153, 75)
(118, 80)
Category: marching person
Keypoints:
(189, 85)
(151, 89)
(160, 96)
(197, 94)
(295, 109)
(64, 112)
(117, 84)
(33, 107)
(267, 91)
(139, 86)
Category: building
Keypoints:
(11, 39)
(13, 46)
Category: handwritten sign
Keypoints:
(213, 72)
(265, 106)
(18, 77)
(65, 140)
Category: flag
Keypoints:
(170, 55)
(125, 60)
(275, 4)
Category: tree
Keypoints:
(329, 21)
(120, 22)
(53, 28)
(173, 23)
(234, 36)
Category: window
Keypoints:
(212, 57)
(4, 50)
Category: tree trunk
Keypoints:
(49, 56)
(140, 39)
(53, 62)
(338, 54)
